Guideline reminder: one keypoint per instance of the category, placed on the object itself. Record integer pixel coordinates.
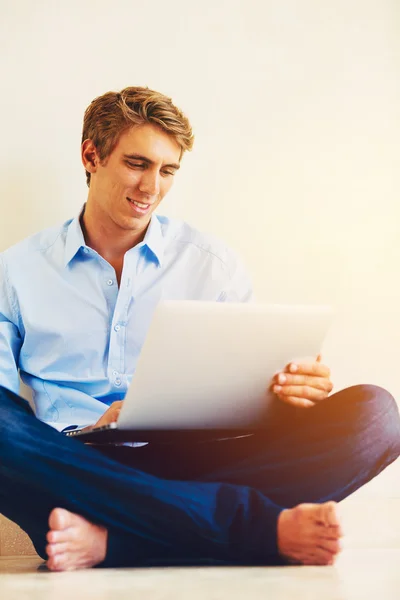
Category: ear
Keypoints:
(90, 158)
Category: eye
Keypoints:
(136, 165)
(168, 173)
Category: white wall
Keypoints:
(295, 106)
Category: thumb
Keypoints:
(319, 358)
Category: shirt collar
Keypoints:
(154, 239)
(75, 240)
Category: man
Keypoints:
(75, 305)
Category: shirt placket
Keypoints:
(117, 350)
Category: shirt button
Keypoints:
(110, 282)
(86, 250)
(117, 328)
(118, 382)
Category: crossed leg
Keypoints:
(233, 514)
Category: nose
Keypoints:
(150, 183)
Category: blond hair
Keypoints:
(111, 114)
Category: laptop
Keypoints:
(205, 369)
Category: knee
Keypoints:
(13, 410)
(372, 406)
(5, 394)
(11, 401)
(372, 398)
(5, 403)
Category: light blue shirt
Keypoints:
(73, 335)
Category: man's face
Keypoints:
(129, 185)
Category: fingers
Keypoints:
(312, 368)
(303, 384)
(114, 416)
(111, 415)
(300, 391)
(114, 410)
(320, 383)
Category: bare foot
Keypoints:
(309, 534)
(74, 542)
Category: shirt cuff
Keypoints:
(73, 428)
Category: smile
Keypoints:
(140, 207)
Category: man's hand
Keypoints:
(303, 384)
(111, 415)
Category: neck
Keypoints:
(105, 236)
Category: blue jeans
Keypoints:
(214, 502)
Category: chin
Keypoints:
(135, 223)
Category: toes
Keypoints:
(54, 549)
(318, 561)
(328, 517)
(68, 538)
(68, 561)
(65, 561)
(324, 556)
(321, 514)
(54, 563)
(50, 564)
(319, 556)
(322, 553)
(333, 546)
(331, 517)
(333, 533)
(60, 518)
(57, 537)
(63, 526)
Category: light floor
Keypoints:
(368, 568)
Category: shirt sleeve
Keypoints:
(10, 338)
